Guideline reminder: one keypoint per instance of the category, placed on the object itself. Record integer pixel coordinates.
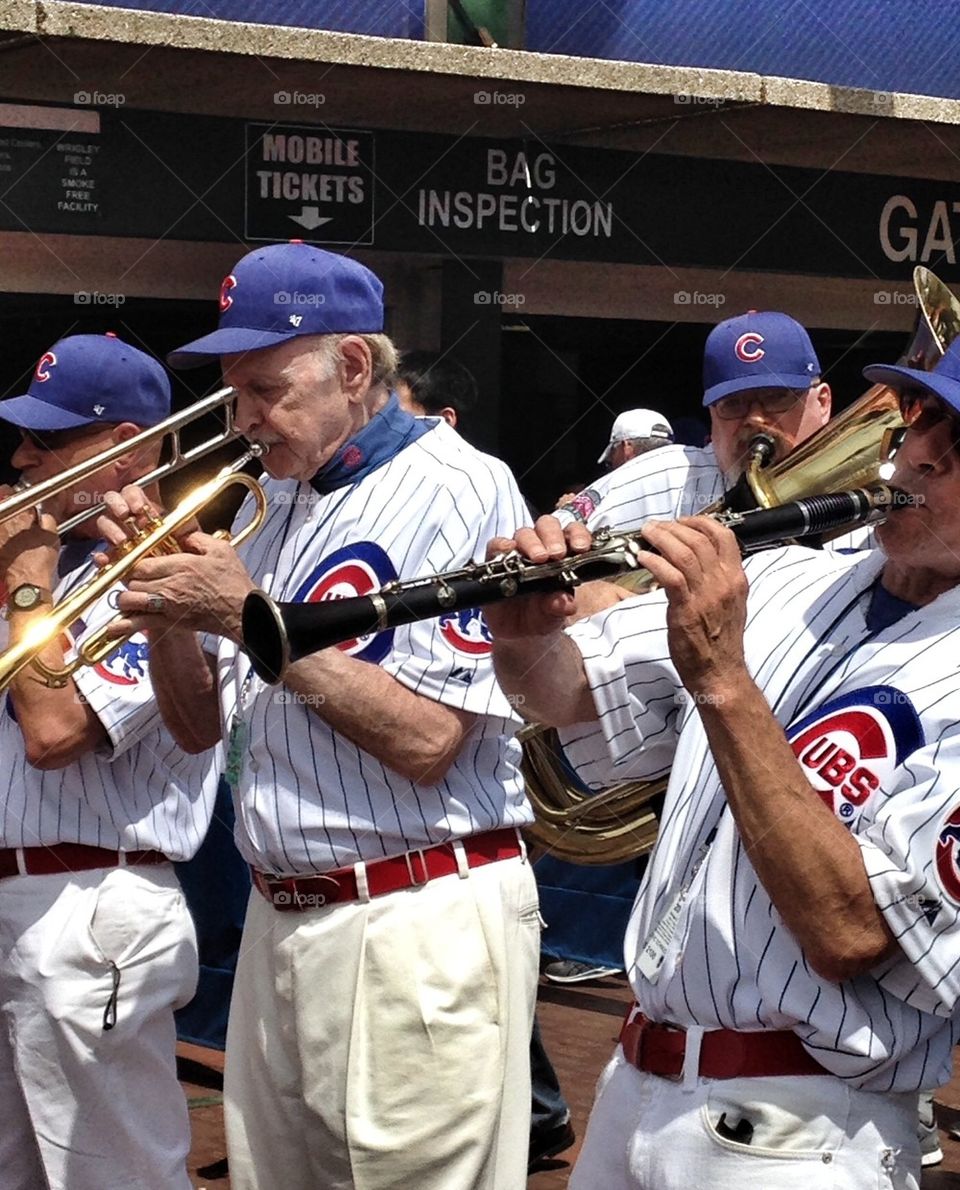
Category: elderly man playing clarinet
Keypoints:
(383, 1001)
(795, 947)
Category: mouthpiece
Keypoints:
(762, 449)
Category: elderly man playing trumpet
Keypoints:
(97, 947)
(383, 1001)
(795, 947)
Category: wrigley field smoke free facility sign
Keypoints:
(160, 175)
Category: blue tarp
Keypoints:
(586, 909)
(216, 883)
(878, 45)
(381, 18)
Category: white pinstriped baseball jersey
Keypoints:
(309, 799)
(664, 484)
(875, 721)
(142, 794)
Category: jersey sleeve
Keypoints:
(662, 484)
(636, 690)
(119, 692)
(911, 852)
(449, 659)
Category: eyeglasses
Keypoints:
(921, 411)
(770, 400)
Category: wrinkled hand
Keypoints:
(201, 589)
(700, 569)
(536, 615)
(29, 547)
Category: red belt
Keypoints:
(62, 858)
(724, 1053)
(409, 870)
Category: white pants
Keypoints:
(809, 1133)
(83, 1107)
(386, 1043)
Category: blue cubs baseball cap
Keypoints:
(277, 293)
(759, 349)
(943, 381)
(85, 379)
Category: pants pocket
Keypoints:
(786, 1118)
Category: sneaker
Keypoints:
(927, 1132)
(570, 971)
(548, 1142)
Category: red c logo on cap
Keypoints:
(748, 347)
(229, 282)
(44, 364)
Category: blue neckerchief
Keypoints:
(885, 609)
(384, 436)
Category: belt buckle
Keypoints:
(408, 856)
(643, 1029)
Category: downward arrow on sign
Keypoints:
(310, 218)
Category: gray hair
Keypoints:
(383, 354)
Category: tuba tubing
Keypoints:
(276, 634)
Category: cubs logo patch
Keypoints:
(46, 361)
(466, 631)
(850, 747)
(583, 504)
(226, 301)
(748, 349)
(127, 665)
(947, 855)
(358, 569)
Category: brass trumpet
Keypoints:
(98, 645)
(29, 496)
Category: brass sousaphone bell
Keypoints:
(620, 823)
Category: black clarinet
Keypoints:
(276, 634)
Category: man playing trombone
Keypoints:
(97, 948)
(795, 947)
(383, 1000)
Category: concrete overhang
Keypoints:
(50, 50)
